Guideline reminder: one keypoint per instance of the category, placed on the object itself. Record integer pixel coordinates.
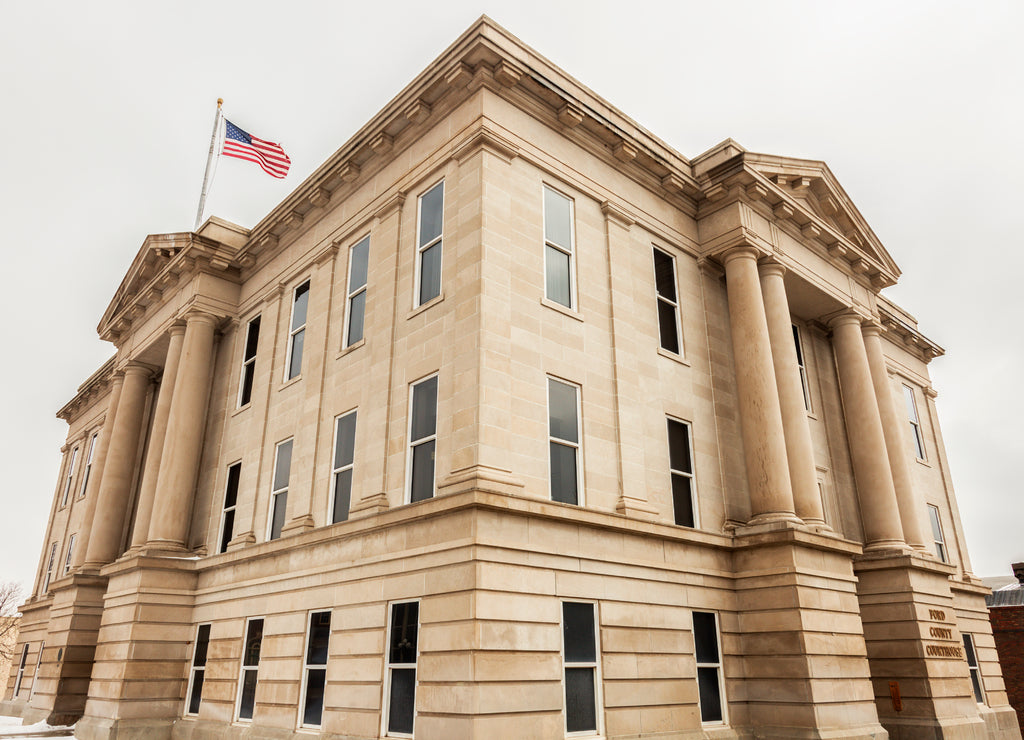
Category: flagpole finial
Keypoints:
(220, 102)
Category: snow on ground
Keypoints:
(12, 727)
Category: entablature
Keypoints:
(902, 331)
(95, 386)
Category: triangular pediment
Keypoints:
(156, 252)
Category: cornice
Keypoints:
(905, 335)
(95, 386)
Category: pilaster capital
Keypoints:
(614, 212)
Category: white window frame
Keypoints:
(274, 493)
(50, 565)
(974, 669)
(659, 298)
(335, 469)
(71, 550)
(412, 444)
(351, 295)
(718, 666)
(21, 671)
(801, 364)
(938, 534)
(389, 666)
(439, 239)
(580, 496)
(70, 477)
(88, 464)
(692, 475)
(306, 667)
(193, 669)
(243, 668)
(596, 665)
(917, 434)
(293, 332)
(249, 363)
(573, 297)
(221, 544)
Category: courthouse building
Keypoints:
(512, 422)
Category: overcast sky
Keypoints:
(107, 110)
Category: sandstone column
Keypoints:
(879, 510)
(764, 444)
(156, 439)
(113, 500)
(799, 448)
(179, 463)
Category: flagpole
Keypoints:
(209, 164)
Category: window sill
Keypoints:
(674, 357)
(919, 461)
(290, 383)
(424, 306)
(240, 409)
(561, 309)
(812, 416)
(351, 348)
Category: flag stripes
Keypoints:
(267, 154)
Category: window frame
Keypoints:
(243, 669)
(938, 534)
(50, 565)
(35, 674)
(249, 362)
(974, 669)
(307, 667)
(414, 443)
(294, 331)
(571, 253)
(336, 469)
(578, 445)
(351, 295)
(421, 249)
(20, 675)
(275, 493)
(222, 544)
(69, 478)
(88, 464)
(801, 364)
(385, 714)
(914, 417)
(67, 557)
(595, 665)
(677, 313)
(691, 474)
(719, 668)
(194, 669)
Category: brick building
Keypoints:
(1006, 612)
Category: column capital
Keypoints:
(771, 266)
(176, 328)
(134, 367)
(845, 317)
(740, 251)
(198, 316)
(872, 328)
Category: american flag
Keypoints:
(267, 154)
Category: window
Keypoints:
(709, 667)
(300, 302)
(680, 460)
(198, 672)
(21, 670)
(802, 367)
(422, 439)
(972, 664)
(915, 423)
(564, 441)
(227, 522)
(49, 566)
(314, 670)
(940, 541)
(252, 340)
(668, 302)
(580, 661)
(35, 676)
(279, 489)
(88, 464)
(71, 473)
(71, 550)
(558, 248)
(250, 669)
(400, 690)
(357, 266)
(344, 453)
(428, 244)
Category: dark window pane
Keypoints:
(403, 700)
(679, 446)
(314, 709)
(682, 500)
(300, 305)
(422, 471)
(578, 633)
(431, 211)
(356, 312)
(197, 691)
(976, 683)
(248, 699)
(402, 648)
(972, 660)
(940, 550)
(319, 638)
(295, 362)
(202, 644)
(580, 704)
(705, 637)
(248, 373)
(345, 442)
(710, 695)
(342, 495)
(252, 338)
(424, 409)
(229, 530)
(557, 219)
(430, 273)
(357, 271)
(282, 470)
(277, 524)
(563, 474)
(665, 275)
(562, 410)
(799, 349)
(231, 490)
(667, 329)
(557, 286)
(253, 642)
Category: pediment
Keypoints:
(156, 253)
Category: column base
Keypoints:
(637, 508)
(298, 525)
(375, 504)
(163, 548)
(770, 517)
(480, 478)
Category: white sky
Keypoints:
(106, 110)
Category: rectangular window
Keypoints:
(580, 662)
(88, 464)
(564, 441)
(972, 664)
(71, 474)
(35, 676)
(915, 423)
(50, 563)
(422, 439)
(252, 340)
(297, 332)
(358, 261)
(279, 489)
(680, 460)
(558, 248)
(802, 367)
(227, 522)
(198, 672)
(940, 541)
(668, 301)
(400, 688)
(250, 669)
(341, 477)
(428, 244)
(709, 667)
(21, 670)
(71, 550)
(314, 670)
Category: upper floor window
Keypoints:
(227, 524)
(680, 456)
(558, 248)
(250, 668)
(344, 455)
(279, 489)
(940, 541)
(88, 464)
(70, 554)
(580, 661)
(197, 676)
(428, 244)
(564, 441)
(358, 262)
(297, 333)
(422, 439)
(709, 667)
(70, 475)
(668, 301)
(50, 564)
(915, 422)
(802, 367)
(252, 339)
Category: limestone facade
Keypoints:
(588, 439)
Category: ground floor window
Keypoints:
(314, 671)
(972, 664)
(709, 667)
(250, 668)
(402, 651)
(580, 663)
(198, 673)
